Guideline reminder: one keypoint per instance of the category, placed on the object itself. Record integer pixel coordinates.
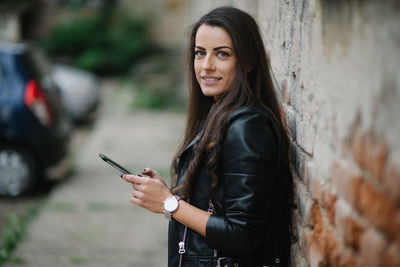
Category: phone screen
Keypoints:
(114, 164)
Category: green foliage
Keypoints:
(158, 82)
(105, 45)
(14, 230)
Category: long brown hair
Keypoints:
(253, 85)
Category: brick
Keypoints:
(311, 216)
(284, 115)
(369, 153)
(311, 250)
(315, 238)
(380, 209)
(304, 202)
(349, 226)
(324, 195)
(309, 176)
(285, 93)
(373, 245)
(328, 203)
(332, 248)
(353, 231)
(358, 148)
(317, 190)
(375, 204)
(300, 160)
(321, 246)
(305, 131)
(297, 257)
(392, 256)
(377, 153)
(297, 224)
(391, 180)
(346, 181)
(342, 257)
(346, 258)
(291, 122)
(304, 242)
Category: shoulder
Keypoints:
(251, 131)
(250, 119)
(251, 114)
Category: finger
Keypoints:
(136, 201)
(137, 194)
(138, 187)
(131, 178)
(150, 172)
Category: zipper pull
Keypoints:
(211, 208)
(181, 247)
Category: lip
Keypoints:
(210, 80)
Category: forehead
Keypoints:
(212, 36)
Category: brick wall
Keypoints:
(337, 63)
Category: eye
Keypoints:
(223, 54)
(199, 53)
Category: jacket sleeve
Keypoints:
(246, 169)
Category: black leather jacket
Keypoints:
(252, 225)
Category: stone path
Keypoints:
(88, 219)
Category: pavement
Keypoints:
(87, 219)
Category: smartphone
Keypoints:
(114, 164)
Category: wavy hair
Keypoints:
(253, 84)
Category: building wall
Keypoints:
(337, 63)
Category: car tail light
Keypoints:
(36, 100)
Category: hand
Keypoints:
(149, 191)
(153, 174)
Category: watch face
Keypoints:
(171, 204)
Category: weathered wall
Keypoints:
(337, 63)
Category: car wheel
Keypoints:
(17, 171)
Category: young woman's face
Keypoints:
(215, 60)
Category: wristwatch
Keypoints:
(170, 206)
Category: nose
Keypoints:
(208, 63)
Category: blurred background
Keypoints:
(82, 77)
(64, 66)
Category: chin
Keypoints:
(211, 93)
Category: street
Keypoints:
(88, 220)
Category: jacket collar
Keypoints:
(194, 141)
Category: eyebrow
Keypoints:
(215, 49)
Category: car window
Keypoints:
(40, 67)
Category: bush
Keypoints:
(99, 45)
(158, 82)
(14, 230)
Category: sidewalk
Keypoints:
(88, 219)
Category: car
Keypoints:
(80, 91)
(35, 128)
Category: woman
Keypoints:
(229, 201)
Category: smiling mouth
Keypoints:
(211, 79)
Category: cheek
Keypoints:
(230, 71)
(197, 69)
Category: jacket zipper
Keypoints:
(211, 210)
(181, 245)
